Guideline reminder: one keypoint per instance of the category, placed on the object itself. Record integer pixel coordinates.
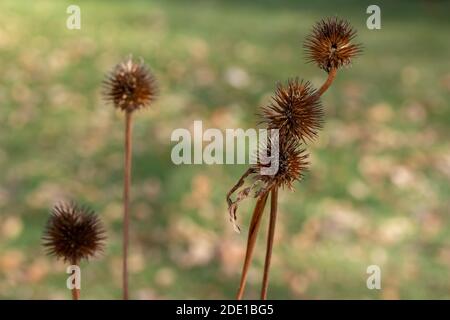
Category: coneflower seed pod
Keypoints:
(295, 110)
(330, 44)
(73, 233)
(130, 86)
(292, 164)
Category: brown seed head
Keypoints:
(130, 86)
(295, 110)
(329, 45)
(73, 233)
(292, 163)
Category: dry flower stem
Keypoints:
(270, 237)
(75, 294)
(126, 202)
(252, 233)
(327, 84)
(75, 291)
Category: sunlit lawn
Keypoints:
(376, 193)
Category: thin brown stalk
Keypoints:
(252, 233)
(270, 237)
(75, 294)
(328, 82)
(75, 291)
(126, 201)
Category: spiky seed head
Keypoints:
(130, 86)
(330, 44)
(73, 233)
(292, 163)
(295, 110)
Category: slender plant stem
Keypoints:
(328, 82)
(126, 202)
(270, 237)
(252, 233)
(75, 294)
(75, 291)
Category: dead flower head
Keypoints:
(330, 44)
(73, 233)
(295, 110)
(130, 86)
(292, 163)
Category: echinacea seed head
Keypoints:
(330, 44)
(73, 233)
(130, 86)
(292, 163)
(295, 110)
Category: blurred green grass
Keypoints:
(377, 191)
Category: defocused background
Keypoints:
(378, 187)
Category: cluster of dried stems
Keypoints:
(297, 113)
(74, 233)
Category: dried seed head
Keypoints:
(130, 86)
(295, 110)
(73, 233)
(329, 45)
(292, 163)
